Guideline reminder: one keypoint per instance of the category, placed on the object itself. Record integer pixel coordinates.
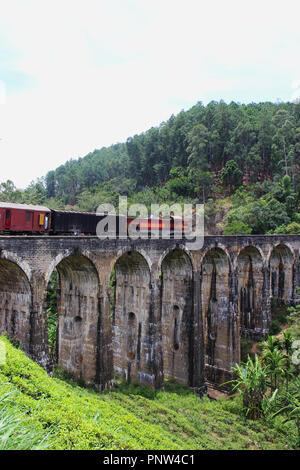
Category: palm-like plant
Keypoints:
(270, 343)
(286, 345)
(287, 342)
(276, 364)
(251, 382)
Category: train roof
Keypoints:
(60, 211)
(27, 207)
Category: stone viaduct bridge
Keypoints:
(174, 313)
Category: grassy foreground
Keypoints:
(37, 411)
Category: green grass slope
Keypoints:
(63, 415)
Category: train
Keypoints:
(20, 219)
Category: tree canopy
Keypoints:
(246, 153)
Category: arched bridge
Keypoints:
(174, 313)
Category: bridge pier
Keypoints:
(104, 352)
(135, 318)
(197, 352)
(252, 304)
(39, 346)
(157, 364)
(16, 303)
(177, 312)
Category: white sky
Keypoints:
(79, 75)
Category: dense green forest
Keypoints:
(242, 161)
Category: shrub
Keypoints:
(251, 382)
(274, 327)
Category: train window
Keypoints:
(46, 221)
(28, 216)
(7, 215)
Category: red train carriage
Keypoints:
(24, 218)
(20, 218)
(179, 225)
(162, 226)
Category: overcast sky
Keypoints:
(79, 75)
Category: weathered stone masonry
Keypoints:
(176, 313)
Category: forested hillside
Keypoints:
(242, 161)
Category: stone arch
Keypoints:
(281, 266)
(250, 291)
(132, 318)
(219, 332)
(253, 247)
(219, 248)
(125, 251)
(169, 250)
(15, 303)
(78, 316)
(18, 261)
(61, 256)
(177, 316)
